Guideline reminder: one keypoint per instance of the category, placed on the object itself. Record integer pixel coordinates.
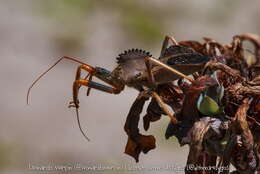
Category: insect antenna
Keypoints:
(37, 79)
(80, 128)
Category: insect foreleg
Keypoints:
(98, 72)
(91, 84)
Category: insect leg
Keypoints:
(149, 71)
(91, 84)
(158, 62)
(166, 43)
(90, 70)
(98, 72)
(164, 108)
(87, 81)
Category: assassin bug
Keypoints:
(138, 69)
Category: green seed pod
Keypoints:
(207, 106)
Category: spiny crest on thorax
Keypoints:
(132, 55)
(132, 63)
(184, 55)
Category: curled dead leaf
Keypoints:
(142, 143)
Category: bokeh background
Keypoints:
(35, 33)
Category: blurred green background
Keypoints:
(35, 33)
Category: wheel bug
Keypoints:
(137, 69)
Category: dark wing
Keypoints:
(177, 49)
(188, 59)
(184, 55)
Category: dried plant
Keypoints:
(218, 112)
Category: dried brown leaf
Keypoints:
(137, 143)
(141, 144)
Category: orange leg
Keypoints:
(90, 84)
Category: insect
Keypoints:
(138, 69)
